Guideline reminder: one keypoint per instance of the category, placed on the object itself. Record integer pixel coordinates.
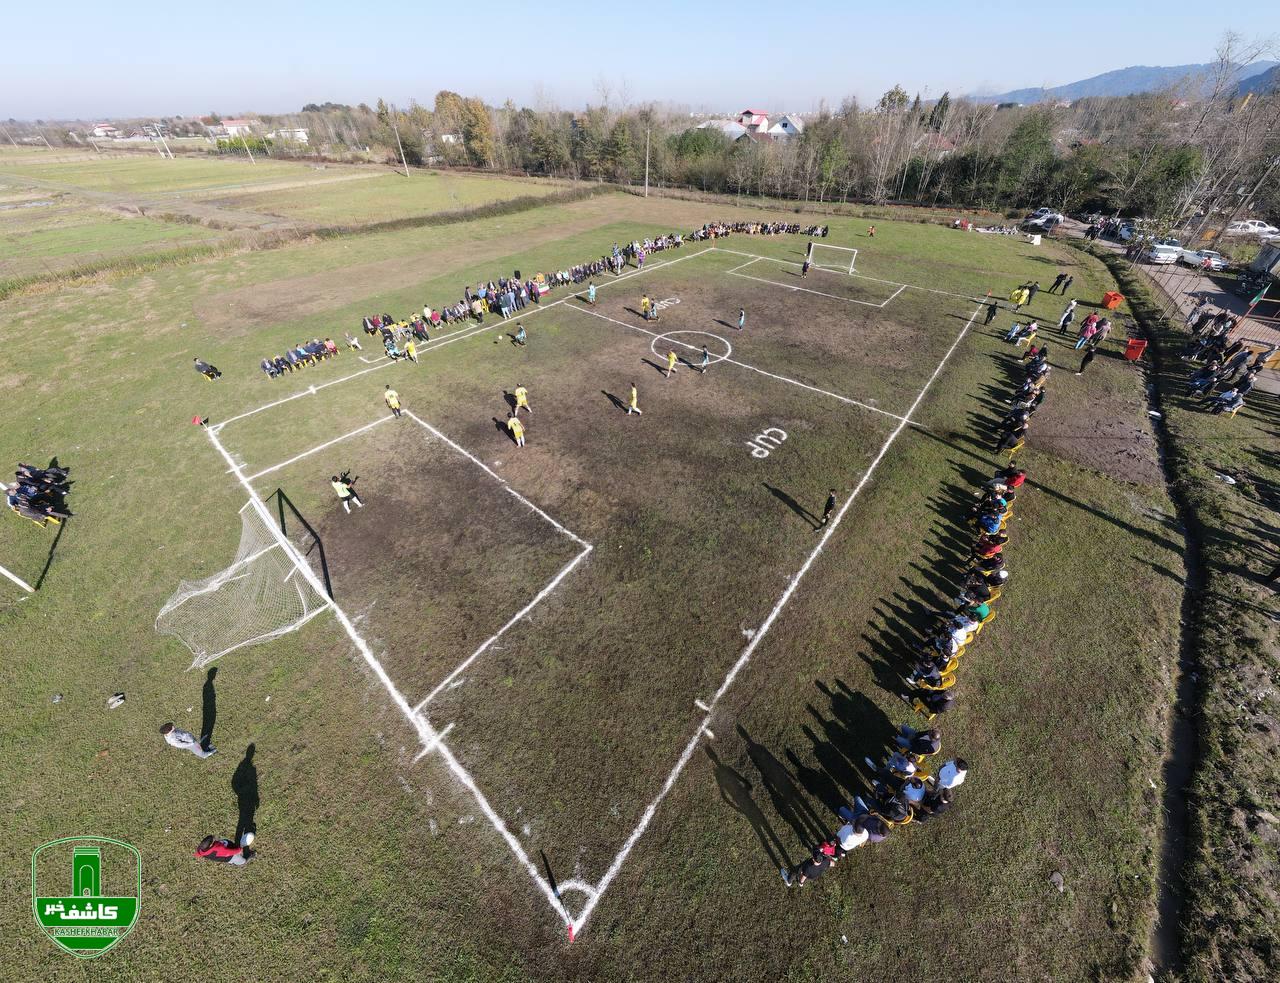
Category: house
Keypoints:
(105, 131)
(450, 138)
(231, 127)
(786, 127)
(757, 136)
(730, 128)
(290, 134)
(754, 119)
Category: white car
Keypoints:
(1251, 227)
(1044, 216)
(1159, 255)
(1204, 258)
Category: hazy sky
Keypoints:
(141, 57)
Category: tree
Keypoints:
(938, 115)
(477, 133)
(383, 113)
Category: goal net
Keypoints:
(839, 259)
(263, 594)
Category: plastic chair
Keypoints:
(924, 711)
(948, 680)
(984, 622)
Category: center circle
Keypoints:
(728, 348)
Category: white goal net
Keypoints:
(839, 259)
(262, 595)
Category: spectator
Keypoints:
(186, 741)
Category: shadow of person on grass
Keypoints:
(504, 429)
(726, 324)
(736, 792)
(208, 709)
(510, 398)
(788, 799)
(793, 505)
(614, 399)
(244, 783)
(660, 369)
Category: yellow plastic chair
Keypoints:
(948, 680)
(924, 711)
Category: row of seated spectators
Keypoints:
(1233, 365)
(300, 356)
(507, 296)
(39, 494)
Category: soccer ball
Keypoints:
(247, 839)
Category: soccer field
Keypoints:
(611, 680)
(696, 519)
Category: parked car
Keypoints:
(1126, 232)
(1251, 227)
(1044, 224)
(1204, 259)
(1162, 255)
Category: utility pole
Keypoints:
(6, 133)
(396, 127)
(646, 162)
(247, 150)
(166, 143)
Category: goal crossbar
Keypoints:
(840, 259)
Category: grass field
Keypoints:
(578, 725)
(387, 196)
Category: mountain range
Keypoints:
(1135, 80)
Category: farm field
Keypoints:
(387, 196)
(554, 615)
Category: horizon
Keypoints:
(112, 63)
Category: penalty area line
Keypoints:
(320, 447)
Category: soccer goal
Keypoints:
(838, 259)
(263, 594)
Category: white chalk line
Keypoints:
(320, 447)
(18, 580)
(603, 884)
(743, 365)
(529, 311)
(493, 474)
(819, 293)
(430, 738)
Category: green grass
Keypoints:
(1231, 912)
(387, 196)
(145, 174)
(376, 867)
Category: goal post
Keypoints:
(838, 259)
(260, 596)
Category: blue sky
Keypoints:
(140, 57)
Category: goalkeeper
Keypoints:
(344, 485)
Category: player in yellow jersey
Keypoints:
(516, 428)
(631, 403)
(522, 400)
(671, 363)
(392, 399)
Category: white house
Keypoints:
(754, 119)
(232, 128)
(292, 134)
(105, 131)
(787, 127)
(730, 128)
(450, 138)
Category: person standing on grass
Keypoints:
(516, 428)
(1088, 357)
(346, 492)
(706, 360)
(392, 399)
(1058, 281)
(520, 337)
(1066, 284)
(591, 293)
(522, 400)
(632, 402)
(993, 308)
(186, 741)
(871, 231)
(742, 318)
(804, 269)
(1087, 331)
(1068, 315)
(820, 861)
(1032, 291)
(828, 508)
(644, 307)
(411, 350)
(671, 362)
